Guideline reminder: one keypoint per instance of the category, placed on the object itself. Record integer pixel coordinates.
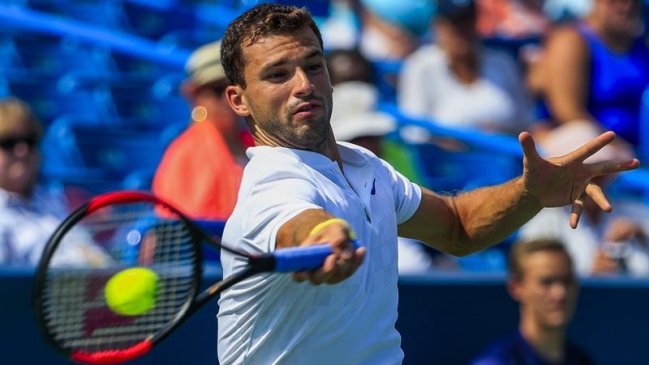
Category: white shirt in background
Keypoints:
(497, 101)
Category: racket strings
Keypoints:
(107, 241)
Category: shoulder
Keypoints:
(576, 355)
(566, 38)
(428, 54)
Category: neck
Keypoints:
(549, 343)
(465, 68)
(232, 137)
(327, 147)
(330, 149)
(616, 41)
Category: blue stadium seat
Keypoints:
(77, 150)
(446, 170)
(10, 62)
(386, 78)
(155, 103)
(52, 97)
(643, 148)
(151, 20)
(188, 39)
(55, 56)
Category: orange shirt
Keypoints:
(509, 19)
(198, 174)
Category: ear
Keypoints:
(514, 289)
(237, 100)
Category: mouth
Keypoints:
(307, 109)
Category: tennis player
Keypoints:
(301, 187)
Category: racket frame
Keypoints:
(120, 197)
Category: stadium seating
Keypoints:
(52, 97)
(102, 156)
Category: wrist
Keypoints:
(527, 197)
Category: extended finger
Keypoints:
(529, 146)
(591, 147)
(612, 167)
(595, 192)
(577, 209)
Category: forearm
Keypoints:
(471, 221)
(488, 215)
(297, 229)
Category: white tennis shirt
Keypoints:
(271, 319)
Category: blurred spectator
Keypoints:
(345, 65)
(349, 65)
(566, 10)
(355, 119)
(597, 69)
(511, 19)
(201, 170)
(542, 281)
(381, 29)
(458, 83)
(29, 211)
(602, 243)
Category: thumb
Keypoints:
(529, 146)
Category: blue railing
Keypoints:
(24, 19)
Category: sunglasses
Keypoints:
(9, 143)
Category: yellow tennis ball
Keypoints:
(132, 292)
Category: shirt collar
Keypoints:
(348, 153)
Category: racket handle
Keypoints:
(303, 258)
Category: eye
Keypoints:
(316, 67)
(546, 282)
(276, 75)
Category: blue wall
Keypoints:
(444, 319)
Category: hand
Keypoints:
(604, 264)
(624, 230)
(340, 265)
(566, 179)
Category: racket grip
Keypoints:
(303, 258)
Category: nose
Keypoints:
(22, 149)
(560, 290)
(303, 85)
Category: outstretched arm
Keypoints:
(474, 220)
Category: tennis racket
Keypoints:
(133, 229)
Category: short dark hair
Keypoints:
(451, 10)
(522, 249)
(256, 23)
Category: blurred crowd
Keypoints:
(563, 70)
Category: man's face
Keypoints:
(288, 93)
(620, 16)
(19, 160)
(457, 37)
(547, 291)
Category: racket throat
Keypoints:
(261, 264)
